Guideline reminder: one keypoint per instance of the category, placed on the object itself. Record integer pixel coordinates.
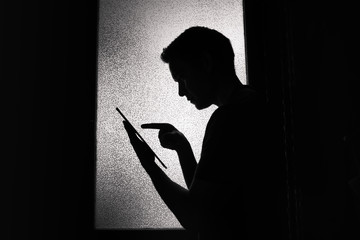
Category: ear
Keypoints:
(207, 62)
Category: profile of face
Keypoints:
(194, 83)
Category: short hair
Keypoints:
(195, 41)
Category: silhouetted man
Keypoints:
(227, 193)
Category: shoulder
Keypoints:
(246, 105)
(245, 98)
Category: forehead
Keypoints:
(178, 69)
(182, 67)
(178, 66)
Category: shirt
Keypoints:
(232, 169)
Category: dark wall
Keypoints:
(304, 55)
(51, 48)
(326, 117)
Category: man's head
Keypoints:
(199, 59)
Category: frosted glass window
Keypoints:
(131, 76)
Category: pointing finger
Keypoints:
(160, 126)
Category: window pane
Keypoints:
(131, 76)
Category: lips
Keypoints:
(190, 99)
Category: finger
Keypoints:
(130, 131)
(134, 139)
(160, 126)
(128, 128)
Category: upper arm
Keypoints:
(226, 171)
(216, 189)
(228, 145)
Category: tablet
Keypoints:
(138, 134)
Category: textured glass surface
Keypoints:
(131, 76)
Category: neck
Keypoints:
(225, 90)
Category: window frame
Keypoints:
(260, 46)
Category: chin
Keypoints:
(201, 106)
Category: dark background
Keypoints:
(303, 54)
(51, 52)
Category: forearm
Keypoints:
(188, 163)
(175, 197)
